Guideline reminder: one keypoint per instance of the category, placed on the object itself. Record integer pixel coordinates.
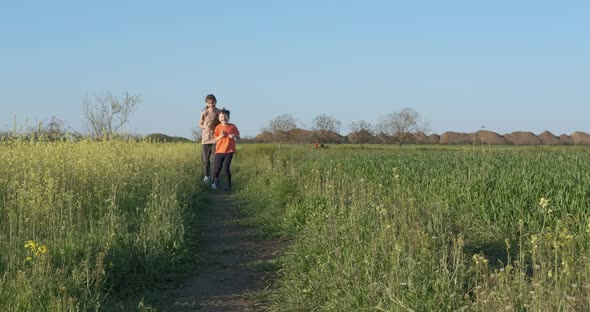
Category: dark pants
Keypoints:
(208, 151)
(223, 160)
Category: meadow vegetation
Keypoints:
(85, 223)
(424, 229)
(375, 229)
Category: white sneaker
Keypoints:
(206, 180)
(214, 187)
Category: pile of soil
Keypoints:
(523, 138)
(384, 139)
(580, 138)
(549, 139)
(433, 138)
(565, 139)
(363, 135)
(423, 138)
(489, 137)
(451, 137)
(298, 135)
(264, 137)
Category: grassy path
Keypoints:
(236, 266)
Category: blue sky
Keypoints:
(463, 65)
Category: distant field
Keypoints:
(425, 228)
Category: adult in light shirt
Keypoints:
(209, 120)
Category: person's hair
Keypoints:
(211, 97)
(225, 112)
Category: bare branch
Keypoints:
(362, 132)
(281, 126)
(401, 126)
(107, 114)
(325, 126)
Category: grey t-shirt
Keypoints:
(209, 120)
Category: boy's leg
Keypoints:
(217, 168)
(226, 165)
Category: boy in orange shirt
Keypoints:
(226, 135)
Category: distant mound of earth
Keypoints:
(423, 138)
(384, 139)
(565, 139)
(580, 138)
(523, 138)
(549, 139)
(434, 138)
(363, 135)
(263, 137)
(448, 138)
(299, 135)
(451, 137)
(159, 137)
(489, 137)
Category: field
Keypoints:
(377, 229)
(434, 229)
(83, 223)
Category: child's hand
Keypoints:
(231, 136)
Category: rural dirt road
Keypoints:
(235, 271)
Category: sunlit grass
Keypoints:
(426, 229)
(80, 222)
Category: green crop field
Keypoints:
(377, 229)
(426, 229)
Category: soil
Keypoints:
(237, 269)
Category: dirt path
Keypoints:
(237, 267)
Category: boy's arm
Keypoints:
(235, 133)
(218, 134)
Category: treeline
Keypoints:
(60, 135)
(401, 127)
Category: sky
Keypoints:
(462, 65)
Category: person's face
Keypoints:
(210, 103)
(223, 118)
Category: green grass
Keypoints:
(423, 229)
(107, 220)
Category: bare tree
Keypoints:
(324, 125)
(55, 129)
(401, 126)
(280, 127)
(362, 132)
(51, 130)
(107, 113)
(197, 134)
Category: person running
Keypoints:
(209, 120)
(226, 135)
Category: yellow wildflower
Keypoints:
(41, 250)
(544, 202)
(30, 244)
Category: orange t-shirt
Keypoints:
(226, 145)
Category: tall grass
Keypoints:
(426, 229)
(80, 222)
